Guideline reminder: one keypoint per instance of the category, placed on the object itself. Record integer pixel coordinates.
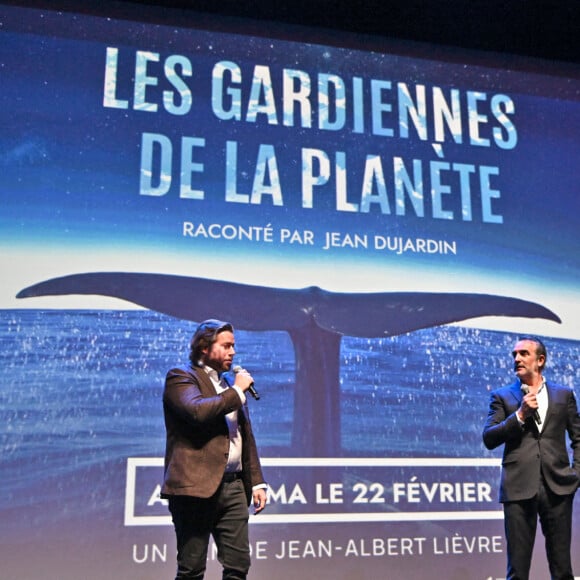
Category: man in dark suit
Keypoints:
(212, 468)
(531, 419)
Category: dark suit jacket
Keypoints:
(527, 452)
(197, 444)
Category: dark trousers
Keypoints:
(223, 516)
(521, 517)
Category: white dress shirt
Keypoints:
(235, 454)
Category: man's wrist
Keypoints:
(241, 393)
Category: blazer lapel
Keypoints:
(551, 395)
(517, 392)
(205, 385)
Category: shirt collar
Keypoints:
(541, 387)
(211, 372)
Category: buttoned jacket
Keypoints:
(528, 452)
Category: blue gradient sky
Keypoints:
(70, 173)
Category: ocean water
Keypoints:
(81, 392)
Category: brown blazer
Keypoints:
(197, 444)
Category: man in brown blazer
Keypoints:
(531, 418)
(212, 468)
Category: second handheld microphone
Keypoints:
(525, 390)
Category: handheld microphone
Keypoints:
(525, 390)
(252, 390)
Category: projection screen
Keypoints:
(379, 221)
